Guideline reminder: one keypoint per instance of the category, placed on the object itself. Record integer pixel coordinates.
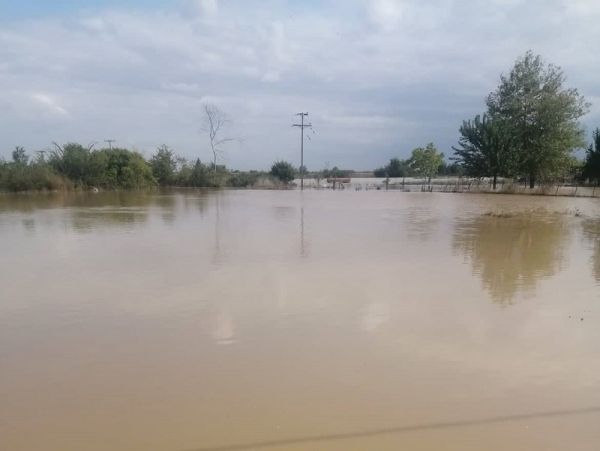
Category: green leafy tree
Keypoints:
(72, 161)
(396, 168)
(591, 166)
(453, 168)
(426, 161)
(199, 174)
(121, 169)
(283, 171)
(541, 114)
(486, 149)
(164, 165)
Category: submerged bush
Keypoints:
(74, 166)
(283, 171)
(19, 176)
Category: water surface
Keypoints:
(299, 321)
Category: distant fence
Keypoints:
(454, 185)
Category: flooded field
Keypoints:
(284, 320)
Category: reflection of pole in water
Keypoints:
(302, 251)
(303, 245)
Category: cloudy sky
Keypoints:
(378, 77)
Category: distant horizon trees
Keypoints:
(424, 162)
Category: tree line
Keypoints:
(425, 162)
(529, 131)
(74, 166)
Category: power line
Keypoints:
(109, 141)
(302, 126)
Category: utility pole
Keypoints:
(302, 126)
(109, 141)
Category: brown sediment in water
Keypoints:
(299, 321)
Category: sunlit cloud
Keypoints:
(49, 104)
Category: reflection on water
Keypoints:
(304, 246)
(512, 252)
(297, 320)
(591, 230)
(421, 222)
(87, 220)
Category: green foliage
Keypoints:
(74, 165)
(239, 179)
(19, 156)
(395, 168)
(125, 169)
(24, 175)
(104, 168)
(284, 171)
(540, 115)
(426, 161)
(486, 148)
(452, 169)
(200, 175)
(73, 161)
(164, 165)
(591, 166)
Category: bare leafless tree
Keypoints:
(215, 121)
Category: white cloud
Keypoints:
(386, 13)
(49, 104)
(202, 9)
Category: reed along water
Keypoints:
(288, 320)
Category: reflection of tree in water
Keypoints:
(511, 253)
(591, 230)
(89, 219)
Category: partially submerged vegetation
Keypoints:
(74, 166)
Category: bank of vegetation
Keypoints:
(73, 166)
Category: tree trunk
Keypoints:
(531, 181)
(494, 182)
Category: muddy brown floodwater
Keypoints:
(283, 320)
